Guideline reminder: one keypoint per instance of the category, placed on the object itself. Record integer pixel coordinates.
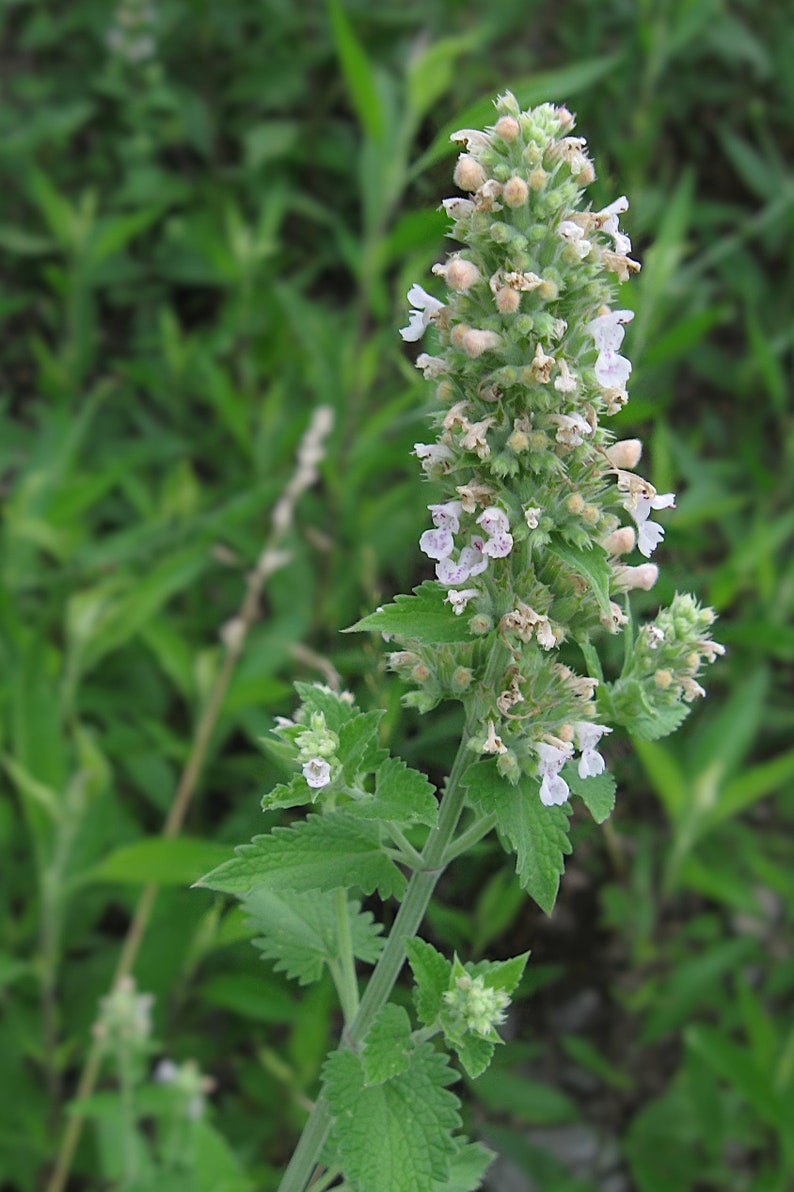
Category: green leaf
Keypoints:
(736, 1065)
(299, 932)
(388, 1046)
(432, 975)
(322, 852)
(358, 73)
(114, 233)
(167, 862)
(395, 1135)
(316, 698)
(538, 835)
(597, 792)
(430, 70)
(358, 744)
(424, 617)
(474, 1052)
(530, 1100)
(295, 793)
(591, 565)
(402, 796)
(665, 721)
(467, 1169)
(500, 974)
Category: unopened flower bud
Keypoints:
(457, 333)
(620, 542)
(420, 673)
(516, 192)
(537, 178)
(508, 301)
(507, 127)
(480, 624)
(662, 679)
(469, 174)
(459, 274)
(476, 342)
(507, 765)
(518, 441)
(591, 515)
(629, 578)
(574, 504)
(461, 679)
(625, 454)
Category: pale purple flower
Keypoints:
(317, 772)
(610, 224)
(499, 546)
(437, 544)
(587, 735)
(493, 521)
(447, 516)
(554, 790)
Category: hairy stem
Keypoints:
(347, 984)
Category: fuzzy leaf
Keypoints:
(538, 835)
(664, 722)
(591, 564)
(395, 1135)
(295, 793)
(467, 1169)
(388, 1047)
(316, 698)
(597, 793)
(424, 617)
(299, 931)
(474, 1052)
(500, 974)
(322, 852)
(402, 796)
(432, 975)
(358, 744)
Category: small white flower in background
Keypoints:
(431, 366)
(566, 382)
(532, 515)
(572, 429)
(587, 735)
(554, 790)
(424, 309)
(459, 599)
(317, 772)
(656, 637)
(611, 370)
(457, 208)
(433, 455)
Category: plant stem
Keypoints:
(347, 985)
(473, 835)
(387, 970)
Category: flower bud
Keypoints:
(516, 192)
(507, 127)
(476, 342)
(625, 454)
(459, 274)
(469, 174)
(480, 624)
(508, 301)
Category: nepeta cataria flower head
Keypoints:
(537, 501)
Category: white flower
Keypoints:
(447, 516)
(575, 236)
(437, 544)
(431, 366)
(639, 505)
(457, 208)
(611, 370)
(424, 309)
(608, 221)
(554, 790)
(571, 428)
(473, 555)
(470, 562)
(460, 598)
(432, 455)
(532, 515)
(566, 382)
(499, 546)
(317, 772)
(587, 735)
(493, 521)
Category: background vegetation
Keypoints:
(209, 216)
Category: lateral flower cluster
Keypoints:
(541, 507)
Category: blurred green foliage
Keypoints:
(209, 216)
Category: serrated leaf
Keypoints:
(295, 793)
(475, 1053)
(322, 852)
(467, 1169)
(597, 792)
(424, 617)
(662, 724)
(432, 976)
(395, 1135)
(317, 698)
(388, 1046)
(402, 796)
(500, 974)
(537, 834)
(591, 565)
(299, 931)
(358, 744)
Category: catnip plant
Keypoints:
(537, 513)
